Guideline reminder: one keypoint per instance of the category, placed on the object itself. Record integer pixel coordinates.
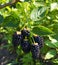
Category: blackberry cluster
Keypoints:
(23, 40)
(25, 44)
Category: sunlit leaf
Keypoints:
(54, 6)
(51, 44)
(38, 13)
(50, 54)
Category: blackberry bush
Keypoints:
(35, 50)
(41, 17)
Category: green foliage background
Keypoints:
(41, 17)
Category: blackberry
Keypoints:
(35, 51)
(25, 45)
(25, 33)
(16, 39)
(38, 40)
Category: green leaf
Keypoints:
(29, 58)
(55, 60)
(50, 54)
(27, 0)
(56, 44)
(51, 45)
(41, 30)
(1, 19)
(38, 13)
(12, 20)
(54, 6)
(55, 27)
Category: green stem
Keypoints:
(32, 37)
(23, 27)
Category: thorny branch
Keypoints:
(10, 3)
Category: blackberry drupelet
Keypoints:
(16, 39)
(25, 45)
(35, 51)
(39, 40)
(25, 33)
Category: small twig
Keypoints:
(8, 4)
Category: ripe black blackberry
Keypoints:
(25, 33)
(16, 39)
(25, 45)
(35, 51)
(39, 40)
